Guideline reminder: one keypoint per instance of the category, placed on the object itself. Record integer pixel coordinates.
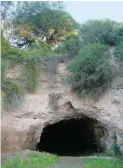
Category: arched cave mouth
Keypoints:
(73, 137)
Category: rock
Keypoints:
(22, 126)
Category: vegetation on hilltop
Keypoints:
(91, 71)
(43, 25)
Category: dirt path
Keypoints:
(73, 162)
(68, 162)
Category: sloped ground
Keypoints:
(68, 162)
(61, 162)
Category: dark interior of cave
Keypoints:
(74, 137)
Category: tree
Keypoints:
(5, 14)
(47, 20)
(90, 71)
(5, 6)
(100, 31)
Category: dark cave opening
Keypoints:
(74, 137)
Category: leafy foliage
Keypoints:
(33, 64)
(119, 52)
(45, 19)
(31, 69)
(5, 46)
(119, 56)
(43, 24)
(70, 46)
(29, 58)
(3, 69)
(5, 6)
(7, 52)
(90, 71)
(24, 30)
(119, 34)
(11, 93)
(101, 31)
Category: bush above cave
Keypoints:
(100, 31)
(90, 71)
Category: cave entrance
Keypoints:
(74, 137)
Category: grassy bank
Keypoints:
(109, 154)
(101, 163)
(32, 160)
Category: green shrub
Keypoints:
(119, 34)
(5, 46)
(31, 69)
(7, 52)
(15, 55)
(33, 64)
(10, 90)
(90, 71)
(40, 45)
(71, 46)
(11, 93)
(30, 72)
(3, 69)
(119, 52)
(119, 56)
(30, 59)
